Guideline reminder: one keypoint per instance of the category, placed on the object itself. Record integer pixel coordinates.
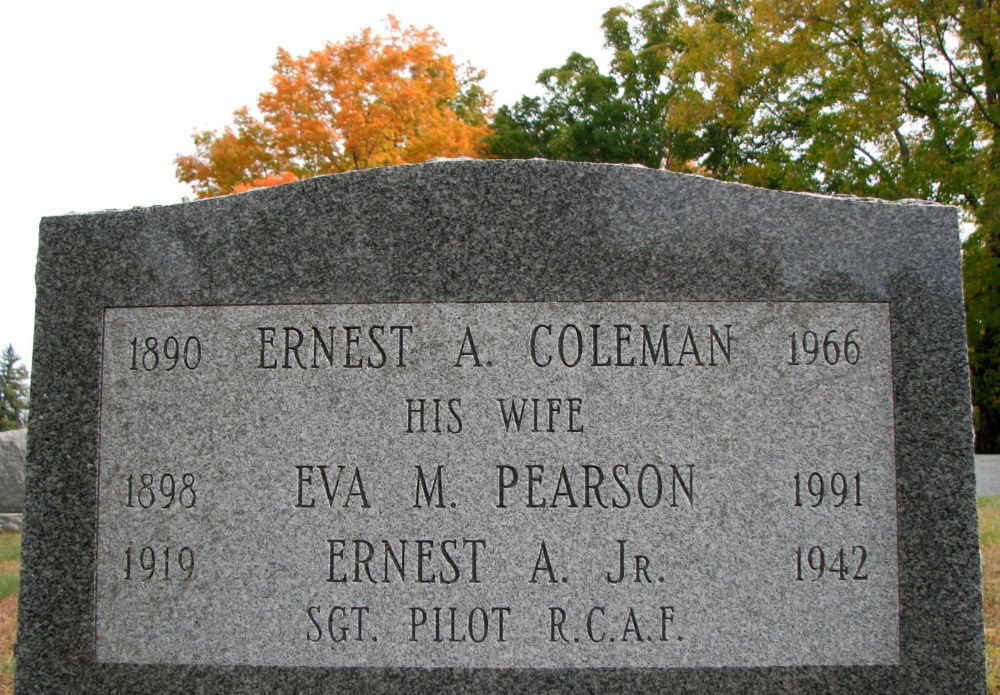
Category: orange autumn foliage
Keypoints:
(368, 101)
(272, 180)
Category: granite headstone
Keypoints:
(502, 426)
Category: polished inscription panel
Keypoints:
(498, 485)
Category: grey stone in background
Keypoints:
(13, 447)
(494, 232)
(987, 475)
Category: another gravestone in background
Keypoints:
(483, 426)
(13, 444)
(987, 475)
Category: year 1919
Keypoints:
(146, 563)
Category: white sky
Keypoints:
(99, 97)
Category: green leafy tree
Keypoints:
(586, 115)
(887, 98)
(13, 390)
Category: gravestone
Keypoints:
(987, 475)
(13, 444)
(502, 426)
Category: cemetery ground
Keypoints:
(10, 570)
(989, 540)
(989, 544)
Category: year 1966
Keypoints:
(833, 348)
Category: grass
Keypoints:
(10, 547)
(989, 544)
(10, 573)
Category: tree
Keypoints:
(368, 101)
(870, 97)
(886, 98)
(13, 390)
(589, 116)
(889, 98)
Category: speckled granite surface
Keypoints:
(508, 232)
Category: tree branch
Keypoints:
(875, 162)
(904, 149)
(963, 84)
